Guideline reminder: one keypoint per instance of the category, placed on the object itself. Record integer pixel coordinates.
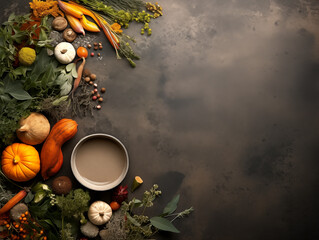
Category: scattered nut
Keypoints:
(59, 23)
(99, 54)
(87, 79)
(95, 44)
(95, 85)
(98, 107)
(92, 92)
(95, 90)
(92, 54)
(91, 83)
(89, 45)
(100, 99)
(100, 44)
(69, 35)
(103, 90)
(98, 95)
(100, 47)
(92, 76)
(94, 98)
(86, 72)
(96, 48)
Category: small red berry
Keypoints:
(92, 54)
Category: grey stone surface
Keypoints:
(222, 108)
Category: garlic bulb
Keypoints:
(99, 213)
(34, 129)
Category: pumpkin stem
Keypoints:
(101, 214)
(15, 161)
(23, 128)
(64, 51)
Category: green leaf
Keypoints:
(65, 88)
(132, 220)
(59, 100)
(74, 72)
(29, 197)
(69, 67)
(16, 90)
(171, 206)
(163, 224)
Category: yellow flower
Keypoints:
(116, 28)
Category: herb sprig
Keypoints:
(141, 226)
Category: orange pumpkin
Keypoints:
(20, 162)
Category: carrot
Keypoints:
(13, 201)
(108, 32)
(78, 79)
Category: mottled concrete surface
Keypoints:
(223, 109)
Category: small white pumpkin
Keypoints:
(99, 213)
(64, 52)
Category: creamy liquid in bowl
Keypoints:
(100, 160)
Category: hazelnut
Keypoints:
(86, 72)
(90, 82)
(96, 48)
(69, 35)
(95, 85)
(98, 95)
(87, 79)
(59, 23)
(103, 90)
(99, 54)
(95, 44)
(98, 107)
(100, 99)
(89, 45)
(92, 76)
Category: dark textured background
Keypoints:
(223, 109)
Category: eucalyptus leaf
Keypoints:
(66, 88)
(74, 72)
(163, 224)
(69, 67)
(172, 205)
(59, 100)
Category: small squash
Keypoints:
(99, 213)
(51, 154)
(20, 162)
(34, 129)
(64, 52)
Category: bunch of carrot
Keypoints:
(75, 15)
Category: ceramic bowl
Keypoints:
(93, 183)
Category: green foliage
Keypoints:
(141, 226)
(74, 204)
